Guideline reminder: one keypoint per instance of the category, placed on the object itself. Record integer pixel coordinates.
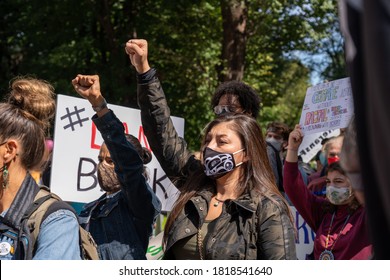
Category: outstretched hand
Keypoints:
(137, 49)
(88, 86)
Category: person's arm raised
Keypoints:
(137, 49)
(88, 86)
(170, 150)
(294, 141)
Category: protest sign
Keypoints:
(76, 148)
(327, 106)
(311, 143)
(305, 235)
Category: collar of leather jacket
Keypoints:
(247, 201)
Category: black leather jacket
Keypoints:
(250, 227)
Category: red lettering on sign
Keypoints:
(93, 135)
(93, 138)
(142, 138)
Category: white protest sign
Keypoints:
(76, 148)
(327, 106)
(311, 143)
(305, 237)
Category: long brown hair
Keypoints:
(257, 174)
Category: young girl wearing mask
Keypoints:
(338, 219)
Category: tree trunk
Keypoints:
(234, 17)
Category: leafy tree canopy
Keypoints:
(56, 40)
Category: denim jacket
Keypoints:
(122, 224)
(58, 237)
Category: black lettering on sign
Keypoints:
(80, 174)
(157, 181)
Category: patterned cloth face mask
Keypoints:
(217, 164)
(337, 196)
(108, 180)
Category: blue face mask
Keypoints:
(323, 159)
(217, 164)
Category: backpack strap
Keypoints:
(46, 203)
(38, 211)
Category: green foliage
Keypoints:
(56, 40)
(287, 108)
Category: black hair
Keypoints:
(247, 96)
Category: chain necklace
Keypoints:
(327, 254)
(200, 243)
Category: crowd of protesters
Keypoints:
(235, 192)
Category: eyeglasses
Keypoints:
(3, 143)
(225, 109)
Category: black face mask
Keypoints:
(217, 164)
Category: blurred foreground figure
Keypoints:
(366, 27)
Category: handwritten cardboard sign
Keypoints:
(327, 106)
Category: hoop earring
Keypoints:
(5, 177)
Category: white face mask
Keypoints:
(277, 144)
(337, 196)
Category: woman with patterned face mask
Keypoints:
(338, 219)
(338, 186)
(229, 206)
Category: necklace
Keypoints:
(217, 201)
(200, 242)
(327, 254)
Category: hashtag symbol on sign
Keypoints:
(76, 113)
